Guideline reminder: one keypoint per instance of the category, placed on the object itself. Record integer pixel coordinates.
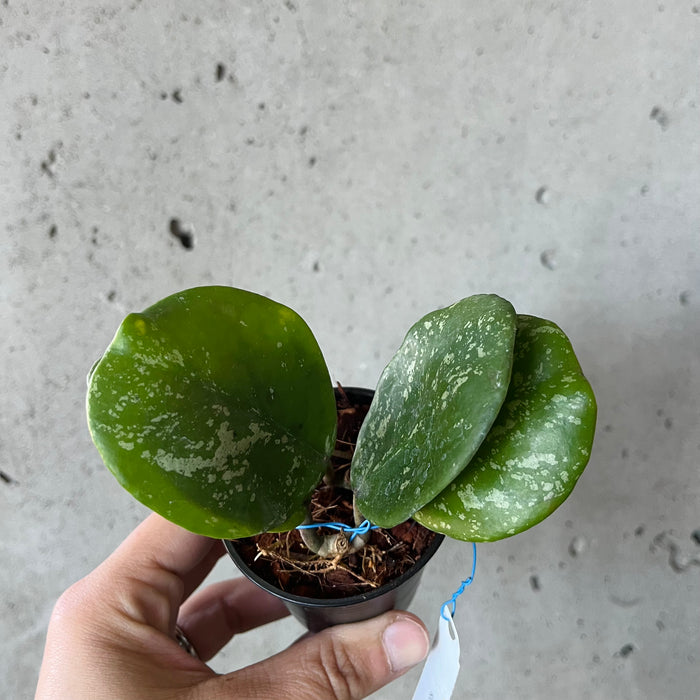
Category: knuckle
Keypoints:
(231, 615)
(339, 671)
(69, 604)
(151, 602)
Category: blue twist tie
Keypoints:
(453, 601)
(362, 529)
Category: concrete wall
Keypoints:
(366, 163)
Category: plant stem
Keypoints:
(337, 544)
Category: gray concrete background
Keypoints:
(366, 163)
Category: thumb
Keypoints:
(347, 662)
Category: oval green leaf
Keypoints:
(536, 450)
(433, 406)
(214, 408)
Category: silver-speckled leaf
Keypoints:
(536, 450)
(433, 406)
(214, 408)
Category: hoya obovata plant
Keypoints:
(214, 407)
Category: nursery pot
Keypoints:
(319, 613)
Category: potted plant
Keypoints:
(214, 408)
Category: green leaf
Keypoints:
(433, 406)
(214, 408)
(536, 450)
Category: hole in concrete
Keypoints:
(542, 195)
(578, 546)
(47, 165)
(625, 651)
(185, 237)
(660, 116)
(677, 559)
(548, 259)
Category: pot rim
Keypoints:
(334, 602)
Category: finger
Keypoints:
(200, 571)
(347, 662)
(211, 617)
(156, 568)
(158, 543)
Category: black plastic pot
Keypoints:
(319, 613)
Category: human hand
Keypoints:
(111, 634)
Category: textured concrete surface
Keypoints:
(366, 164)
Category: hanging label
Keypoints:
(442, 665)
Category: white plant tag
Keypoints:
(442, 665)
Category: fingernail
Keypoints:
(405, 643)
